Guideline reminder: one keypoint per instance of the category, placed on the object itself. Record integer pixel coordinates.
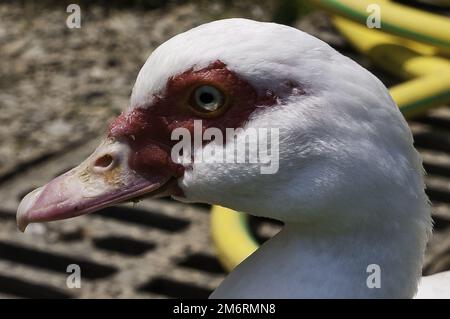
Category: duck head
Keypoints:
(338, 134)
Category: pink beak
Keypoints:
(103, 179)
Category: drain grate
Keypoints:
(202, 262)
(162, 248)
(126, 246)
(145, 218)
(175, 289)
(52, 261)
(25, 289)
(158, 248)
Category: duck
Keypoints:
(349, 184)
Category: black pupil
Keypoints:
(206, 98)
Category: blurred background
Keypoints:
(60, 87)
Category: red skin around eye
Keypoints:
(147, 129)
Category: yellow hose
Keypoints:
(415, 96)
(431, 74)
(231, 236)
(403, 58)
(397, 19)
(356, 33)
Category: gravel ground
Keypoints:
(60, 87)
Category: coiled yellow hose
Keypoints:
(409, 60)
(397, 19)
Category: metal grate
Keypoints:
(432, 139)
(161, 248)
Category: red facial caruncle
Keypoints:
(147, 128)
(134, 160)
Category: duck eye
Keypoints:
(208, 99)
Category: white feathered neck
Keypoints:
(350, 186)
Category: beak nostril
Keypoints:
(104, 161)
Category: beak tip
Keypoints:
(22, 225)
(22, 217)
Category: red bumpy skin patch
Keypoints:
(147, 128)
